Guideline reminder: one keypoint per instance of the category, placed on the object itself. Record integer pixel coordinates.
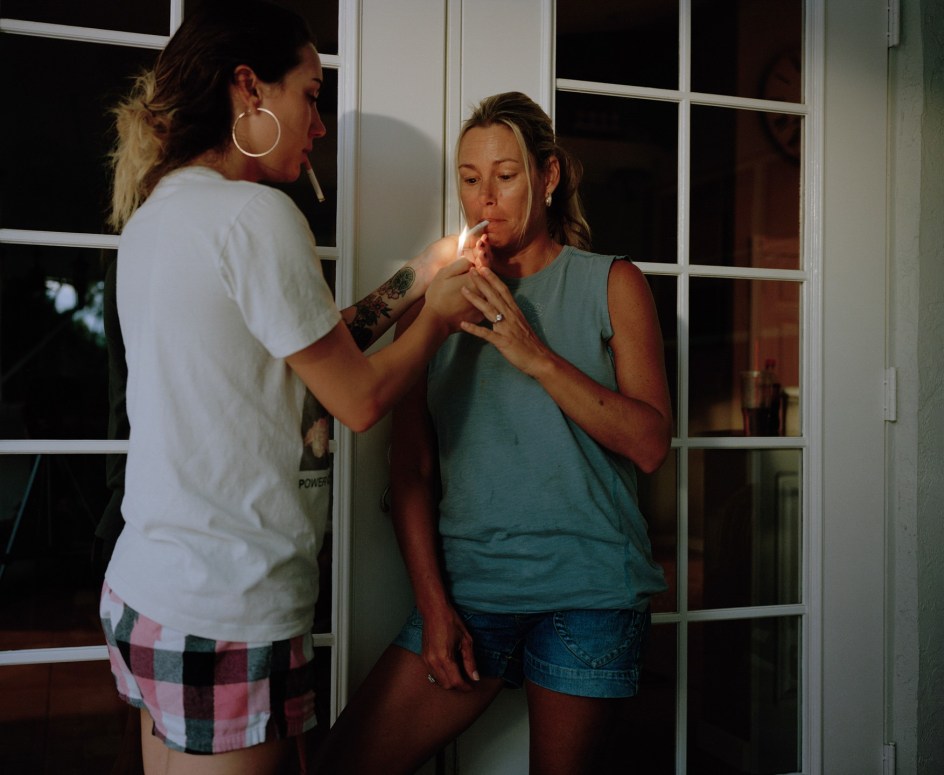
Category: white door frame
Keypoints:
(845, 240)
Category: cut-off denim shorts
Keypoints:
(584, 653)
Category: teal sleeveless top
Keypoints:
(535, 515)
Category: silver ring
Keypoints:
(499, 318)
(429, 677)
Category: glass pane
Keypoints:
(664, 293)
(634, 44)
(744, 526)
(658, 501)
(65, 718)
(745, 188)
(53, 564)
(52, 342)
(322, 216)
(645, 739)
(150, 17)
(744, 358)
(630, 184)
(748, 48)
(322, 18)
(743, 697)
(54, 175)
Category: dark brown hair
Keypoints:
(182, 107)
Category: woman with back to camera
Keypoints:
(226, 318)
(514, 478)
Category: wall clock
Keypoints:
(783, 82)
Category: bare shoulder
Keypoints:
(628, 289)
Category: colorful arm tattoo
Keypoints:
(373, 315)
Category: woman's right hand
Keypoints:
(444, 297)
(434, 257)
(447, 650)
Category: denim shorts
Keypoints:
(584, 653)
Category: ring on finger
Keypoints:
(498, 318)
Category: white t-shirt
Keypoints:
(225, 502)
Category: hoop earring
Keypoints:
(547, 200)
(278, 135)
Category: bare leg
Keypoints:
(569, 734)
(398, 719)
(264, 759)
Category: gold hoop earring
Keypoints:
(278, 133)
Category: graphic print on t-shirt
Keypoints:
(315, 436)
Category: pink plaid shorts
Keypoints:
(209, 696)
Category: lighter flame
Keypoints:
(467, 232)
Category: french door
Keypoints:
(727, 151)
(59, 456)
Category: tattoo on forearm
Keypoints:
(370, 310)
(399, 284)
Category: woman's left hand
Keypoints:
(510, 332)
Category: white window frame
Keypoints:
(346, 64)
(809, 610)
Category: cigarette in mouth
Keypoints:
(467, 232)
(314, 182)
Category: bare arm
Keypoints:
(636, 420)
(357, 389)
(415, 490)
(369, 319)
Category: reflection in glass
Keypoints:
(658, 501)
(745, 191)
(744, 525)
(62, 718)
(52, 566)
(738, 327)
(53, 368)
(150, 17)
(56, 140)
(738, 44)
(628, 149)
(743, 697)
(644, 741)
(610, 43)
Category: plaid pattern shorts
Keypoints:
(209, 696)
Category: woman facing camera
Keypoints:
(514, 478)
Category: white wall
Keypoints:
(399, 209)
(852, 377)
(408, 51)
(916, 347)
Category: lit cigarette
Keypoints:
(314, 182)
(467, 232)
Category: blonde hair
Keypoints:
(534, 132)
(182, 108)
